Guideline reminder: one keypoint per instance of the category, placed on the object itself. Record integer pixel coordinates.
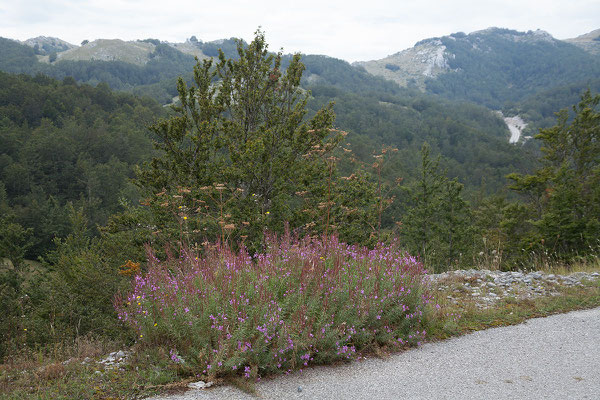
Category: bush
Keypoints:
(83, 278)
(303, 302)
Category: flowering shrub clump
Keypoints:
(302, 302)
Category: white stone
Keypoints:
(200, 385)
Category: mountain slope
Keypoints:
(140, 52)
(489, 67)
(19, 58)
(134, 52)
(374, 110)
(65, 145)
(45, 45)
(411, 67)
(589, 42)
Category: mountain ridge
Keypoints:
(432, 57)
(493, 67)
(589, 42)
(45, 45)
(136, 52)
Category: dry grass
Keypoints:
(551, 263)
(590, 265)
(51, 371)
(81, 348)
(30, 373)
(456, 318)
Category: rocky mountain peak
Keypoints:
(435, 56)
(410, 67)
(46, 44)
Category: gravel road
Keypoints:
(557, 357)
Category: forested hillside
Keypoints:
(472, 140)
(19, 58)
(154, 77)
(497, 68)
(494, 67)
(375, 112)
(65, 143)
(539, 109)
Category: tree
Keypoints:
(437, 224)
(418, 224)
(564, 194)
(83, 280)
(238, 154)
(456, 231)
(14, 242)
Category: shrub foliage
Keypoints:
(302, 302)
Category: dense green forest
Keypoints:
(61, 143)
(471, 139)
(496, 68)
(374, 111)
(539, 109)
(377, 113)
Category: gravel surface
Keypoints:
(557, 357)
(486, 288)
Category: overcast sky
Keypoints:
(351, 30)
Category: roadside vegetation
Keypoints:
(66, 371)
(303, 302)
